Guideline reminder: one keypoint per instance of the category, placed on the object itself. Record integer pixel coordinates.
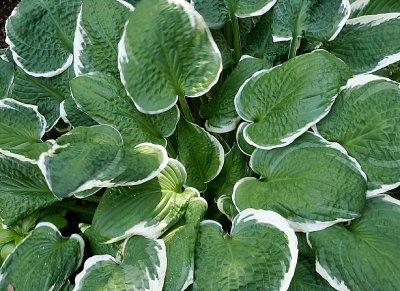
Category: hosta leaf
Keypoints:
(104, 99)
(225, 205)
(365, 121)
(45, 93)
(312, 183)
(200, 153)
(285, 101)
(167, 51)
(96, 246)
(223, 47)
(224, 117)
(371, 7)
(180, 243)
(44, 259)
(364, 254)
(259, 254)
(318, 20)
(40, 35)
(243, 145)
(21, 130)
(218, 12)
(143, 267)
(99, 29)
(360, 42)
(148, 209)
(72, 115)
(87, 158)
(6, 73)
(307, 279)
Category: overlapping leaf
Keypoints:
(6, 72)
(312, 183)
(371, 7)
(167, 51)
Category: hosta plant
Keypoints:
(211, 145)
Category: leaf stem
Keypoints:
(185, 108)
(236, 37)
(74, 208)
(293, 46)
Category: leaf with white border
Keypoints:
(72, 115)
(44, 259)
(6, 72)
(362, 255)
(92, 157)
(243, 145)
(312, 183)
(142, 267)
(96, 246)
(371, 7)
(167, 51)
(260, 253)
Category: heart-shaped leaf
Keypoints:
(40, 34)
(23, 190)
(143, 267)
(360, 42)
(21, 130)
(87, 158)
(44, 259)
(167, 51)
(285, 101)
(259, 254)
(317, 20)
(200, 153)
(372, 7)
(224, 117)
(312, 183)
(104, 99)
(364, 254)
(148, 209)
(98, 31)
(180, 242)
(365, 121)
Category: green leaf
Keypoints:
(318, 20)
(99, 29)
(92, 157)
(180, 243)
(57, 219)
(96, 246)
(365, 121)
(21, 130)
(104, 99)
(312, 183)
(72, 115)
(7, 235)
(45, 93)
(167, 51)
(6, 73)
(224, 117)
(360, 42)
(227, 207)
(219, 38)
(371, 7)
(200, 153)
(148, 209)
(307, 279)
(243, 145)
(285, 101)
(6, 250)
(259, 254)
(218, 12)
(364, 254)
(40, 35)
(44, 259)
(143, 267)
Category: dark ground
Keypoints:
(6, 8)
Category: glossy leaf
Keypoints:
(364, 254)
(156, 56)
(103, 98)
(365, 121)
(371, 7)
(200, 153)
(285, 101)
(40, 35)
(312, 183)
(98, 31)
(148, 209)
(143, 267)
(44, 259)
(260, 253)
(87, 158)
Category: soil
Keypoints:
(6, 7)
